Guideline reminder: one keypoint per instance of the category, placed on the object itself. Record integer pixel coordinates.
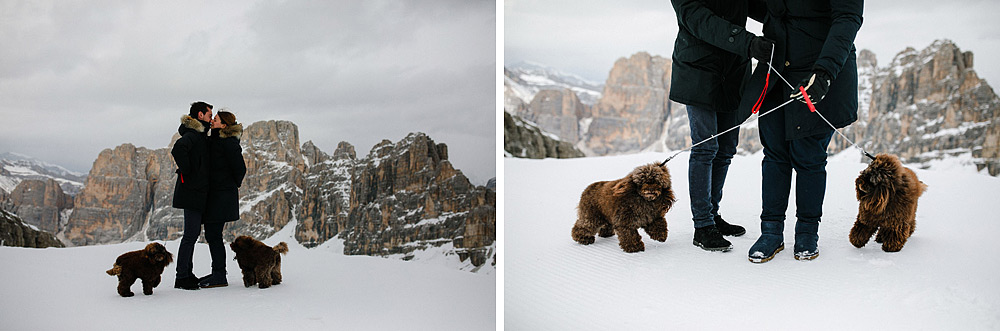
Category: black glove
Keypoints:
(760, 48)
(816, 86)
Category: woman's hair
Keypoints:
(227, 117)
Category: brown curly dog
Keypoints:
(887, 195)
(146, 264)
(260, 263)
(640, 200)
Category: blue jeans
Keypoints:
(709, 162)
(807, 156)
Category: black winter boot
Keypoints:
(710, 239)
(187, 283)
(728, 229)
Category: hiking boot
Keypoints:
(710, 239)
(728, 229)
(771, 242)
(187, 283)
(213, 280)
(806, 240)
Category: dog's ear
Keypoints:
(621, 187)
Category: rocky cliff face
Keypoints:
(558, 112)
(325, 206)
(924, 106)
(129, 190)
(275, 179)
(15, 233)
(40, 203)
(928, 105)
(399, 201)
(525, 139)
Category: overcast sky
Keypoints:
(585, 37)
(77, 77)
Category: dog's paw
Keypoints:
(606, 232)
(585, 240)
(126, 294)
(891, 247)
(634, 248)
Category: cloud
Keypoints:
(85, 76)
(585, 37)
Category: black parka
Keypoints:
(190, 153)
(810, 36)
(226, 175)
(710, 62)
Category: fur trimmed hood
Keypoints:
(192, 123)
(235, 130)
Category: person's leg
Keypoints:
(703, 124)
(776, 174)
(700, 166)
(185, 253)
(809, 160)
(720, 168)
(213, 235)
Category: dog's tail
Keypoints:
(114, 271)
(281, 247)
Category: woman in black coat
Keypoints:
(814, 49)
(225, 177)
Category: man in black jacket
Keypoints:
(710, 66)
(814, 47)
(190, 153)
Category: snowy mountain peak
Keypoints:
(528, 78)
(15, 167)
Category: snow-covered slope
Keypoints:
(67, 289)
(942, 279)
(17, 167)
(527, 78)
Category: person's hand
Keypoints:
(816, 86)
(760, 48)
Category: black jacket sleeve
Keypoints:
(181, 154)
(846, 21)
(701, 22)
(234, 155)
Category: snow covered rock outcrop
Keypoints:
(15, 168)
(406, 196)
(13, 232)
(525, 139)
(928, 105)
(526, 79)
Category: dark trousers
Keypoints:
(807, 156)
(709, 162)
(213, 235)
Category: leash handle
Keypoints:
(805, 95)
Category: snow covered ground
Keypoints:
(942, 279)
(68, 289)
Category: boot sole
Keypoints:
(214, 286)
(736, 234)
(713, 249)
(765, 259)
(807, 257)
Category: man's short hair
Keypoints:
(199, 107)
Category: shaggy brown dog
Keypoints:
(260, 263)
(640, 200)
(146, 264)
(887, 192)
